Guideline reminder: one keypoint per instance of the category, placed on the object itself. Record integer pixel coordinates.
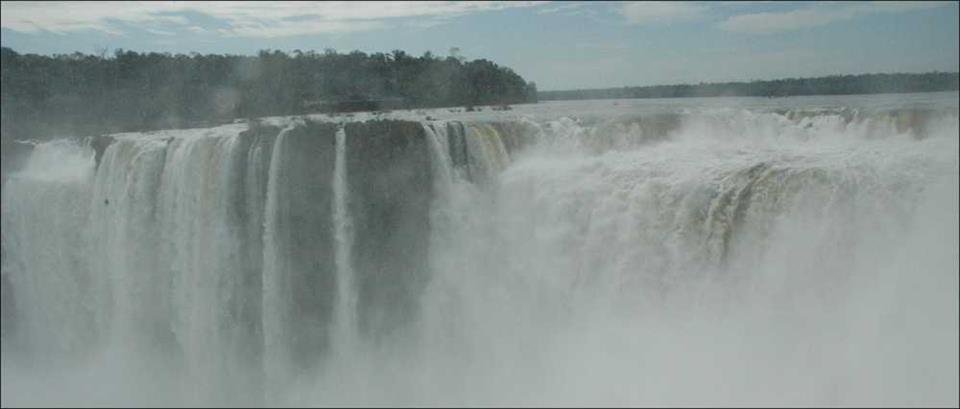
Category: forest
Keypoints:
(83, 94)
(831, 85)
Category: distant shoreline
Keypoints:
(863, 84)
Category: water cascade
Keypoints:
(708, 256)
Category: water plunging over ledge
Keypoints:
(648, 253)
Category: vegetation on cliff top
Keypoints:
(81, 94)
(831, 85)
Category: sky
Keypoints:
(558, 45)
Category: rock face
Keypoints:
(391, 188)
(299, 269)
(14, 154)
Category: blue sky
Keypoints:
(559, 45)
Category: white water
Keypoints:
(743, 257)
(274, 318)
(345, 318)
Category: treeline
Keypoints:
(832, 85)
(81, 94)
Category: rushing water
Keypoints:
(747, 251)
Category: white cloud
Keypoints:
(815, 15)
(243, 19)
(646, 12)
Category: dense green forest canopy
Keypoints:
(832, 85)
(81, 94)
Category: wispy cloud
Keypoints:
(296, 28)
(815, 15)
(647, 12)
(64, 17)
(562, 7)
(159, 32)
(241, 18)
(601, 46)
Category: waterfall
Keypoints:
(274, 262)
(346, 308)
(439, 141)
(45, 208)
(728, 256)
(123, 219)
